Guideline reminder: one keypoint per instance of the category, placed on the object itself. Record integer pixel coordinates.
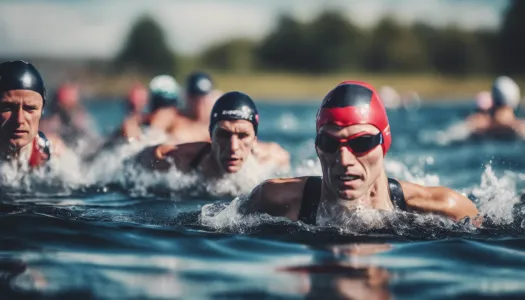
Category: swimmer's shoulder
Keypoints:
(439, 200)
(163, 118)
(277, 197)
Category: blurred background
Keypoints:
(272, 49)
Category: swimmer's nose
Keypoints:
(234, 143)
(20, 116)
(346, 157)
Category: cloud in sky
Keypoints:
(96, 28)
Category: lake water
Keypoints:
(101, 231)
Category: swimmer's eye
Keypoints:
(243, 136)
(223, 134)
(30, 108)
(6, 107)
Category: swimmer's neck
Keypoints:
(376, 197)
(210, 167)
(198, 110)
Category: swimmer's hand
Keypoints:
(131, 128)
(156, 157)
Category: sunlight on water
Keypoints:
(109, 227)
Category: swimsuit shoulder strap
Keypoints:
(200, 155)
(40, 150)
(311, 200)
(396, 194)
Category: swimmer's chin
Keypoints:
(348, 195)
(232, 169)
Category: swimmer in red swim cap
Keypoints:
(352, 138)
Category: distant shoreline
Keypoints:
(273, 87)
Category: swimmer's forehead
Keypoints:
(27, 96)
(235, 126)
(348, 130)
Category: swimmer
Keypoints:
(166, 116)
(137, 100)
(136, 103)
(233, 131)
(353, 136)
(200, 93)
(481, 118)
(499, 119)
(67, 118)
(22, 98)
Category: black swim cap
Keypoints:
(234, 106)
(21, 75)
(199, 83)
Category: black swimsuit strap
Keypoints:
(312, 198)
(396, 194)
(44, 144)
(200, 155)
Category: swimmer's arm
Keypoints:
(519, 128)
(439, 200)
(161, 120)
(131, 127)
(159, 158)
(276, 197)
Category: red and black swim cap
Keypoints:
(21, 75)
(355, 102)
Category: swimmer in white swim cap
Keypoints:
(496, 116)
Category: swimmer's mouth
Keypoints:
(348, 177)
(232, 159)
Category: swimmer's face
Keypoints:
(349, 176)
(68, 98)
(137, 100)
(232, 143)
(20, 112)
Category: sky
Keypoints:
(97, 28)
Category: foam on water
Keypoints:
(110, 229)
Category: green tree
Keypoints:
(511, 39)
(285, 48)
(334, 43)
(234, 55)
(395, 48)
(146, 49)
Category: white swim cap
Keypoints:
(164, 91)
(164, 84)
(505, 92)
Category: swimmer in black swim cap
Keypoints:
(200, 93)
(233, 132)
(234, 106)
(22, 98)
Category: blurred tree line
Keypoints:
(332, 43)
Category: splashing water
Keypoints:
(110, 229)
